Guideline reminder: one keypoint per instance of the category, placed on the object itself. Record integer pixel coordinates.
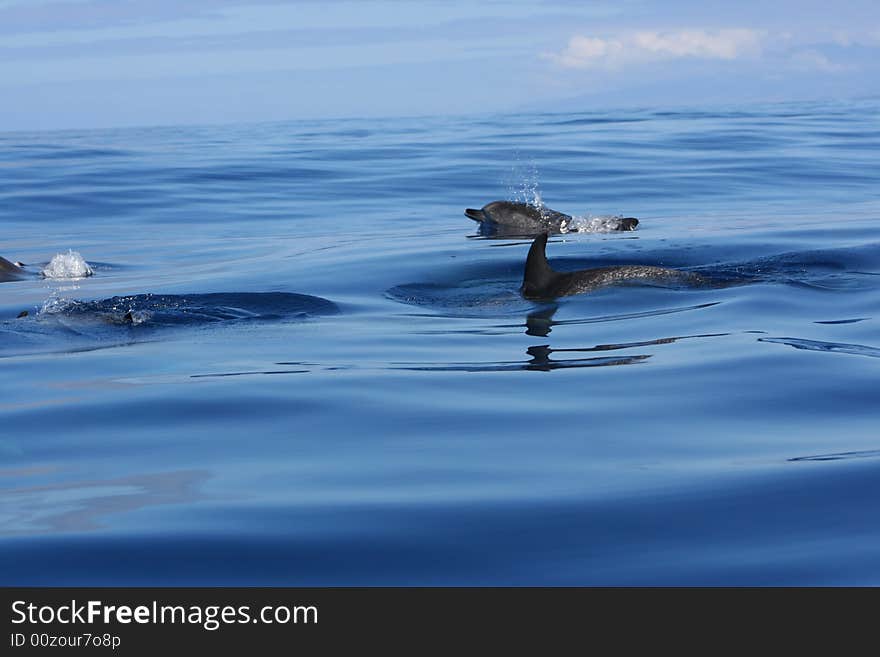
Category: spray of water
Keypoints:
(523, 184)
(67, 265)
(590, 223)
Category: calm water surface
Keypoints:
(370, 401)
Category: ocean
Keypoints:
(298, 363)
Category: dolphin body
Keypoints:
(525, 219)
(10, 271)
(155, 310)
(540, 281)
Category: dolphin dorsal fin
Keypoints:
(538, 274)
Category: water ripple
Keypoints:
(828, 347)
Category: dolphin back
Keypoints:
(539, 279)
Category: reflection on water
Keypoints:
(830, 347)
(540, 323)
(87, 505)
(840, 456)
(542, 362)
(643, 343)
(842, 321)
(224, 374)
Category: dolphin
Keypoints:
(10, 271)
(183, 309)
(526, 219)
(540, 281)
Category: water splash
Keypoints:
(590, 223)
(55, 305)
(524, 186)
(139, 316)
(67, 265)
(120, 310)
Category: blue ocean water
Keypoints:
(328, 376)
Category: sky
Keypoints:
(113, 63)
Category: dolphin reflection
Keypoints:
(540, 358)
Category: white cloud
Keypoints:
(584, 52)
(724, 44)
(813, 60)
(588, 52)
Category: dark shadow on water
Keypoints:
(541, 323)
(829, 347)
(840, 456)
(225, 374)
(301, 365)
(842, 321)
(541, 361)
(630, 345)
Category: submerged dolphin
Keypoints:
(10, 271)
(540, 281)
(526, 219)
(182, 309)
